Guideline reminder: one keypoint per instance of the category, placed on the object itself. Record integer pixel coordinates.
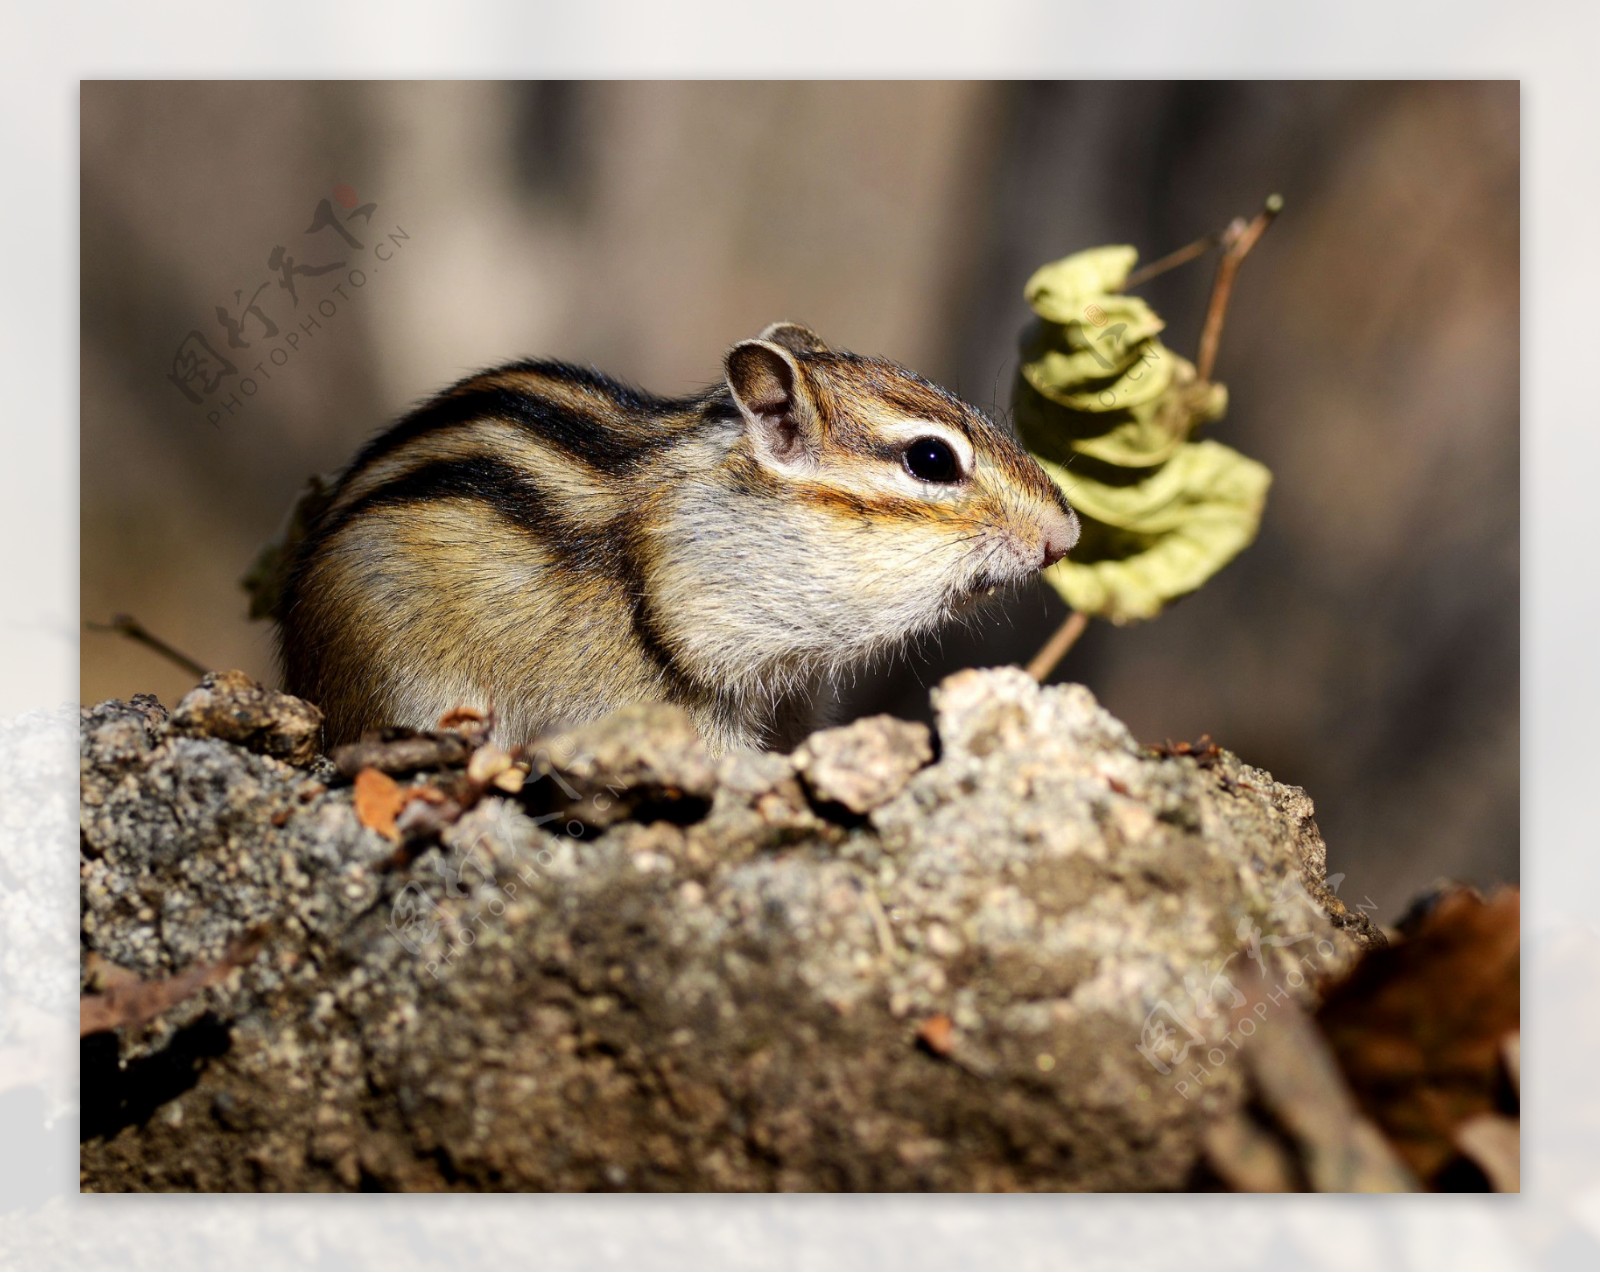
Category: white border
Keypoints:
(46, 49)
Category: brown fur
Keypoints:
(547, 542)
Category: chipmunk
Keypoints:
(547, 543)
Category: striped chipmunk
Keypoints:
(546, 543)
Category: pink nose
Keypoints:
(1060, 533)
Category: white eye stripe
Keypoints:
(903, 431)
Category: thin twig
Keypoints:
(128, 1001)
(1172, 260)
(128, 626)
(1055, 649)
(1237, 240)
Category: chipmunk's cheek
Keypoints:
(1005, 547)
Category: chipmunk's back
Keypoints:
(490, 534)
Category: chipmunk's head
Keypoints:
(882, 504)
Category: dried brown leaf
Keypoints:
(1420, 1027)
(937, 1034)
(379, 800)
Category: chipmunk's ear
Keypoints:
(776, 402)
(794, 337)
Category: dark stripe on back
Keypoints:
(608, 445)
(509, 493)
(627, 396)
(578, 435)
(495, 483)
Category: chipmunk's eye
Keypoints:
(932, 460)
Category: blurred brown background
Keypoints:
(1366, 647)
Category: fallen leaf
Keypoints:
(1420, 1026)
(937, 1034)
(379, 800)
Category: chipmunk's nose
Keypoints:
(1060, 533)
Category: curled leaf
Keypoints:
(1056, 290)
(1108, 372)
(1110, 412)
(1143, 436)
(1149, 542)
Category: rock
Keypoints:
(864, 764)
(233, 707)
(1015, 967)
(758, 804)
(604, 772)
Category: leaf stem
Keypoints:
(1055, 649)
(1237, 240)
(1172, 260)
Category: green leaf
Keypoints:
(1147, 543)
(1057, 291)
(1161, 514)
(1146, 378)
(1055, 362)
(1142, 436)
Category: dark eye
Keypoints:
(932, 460)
